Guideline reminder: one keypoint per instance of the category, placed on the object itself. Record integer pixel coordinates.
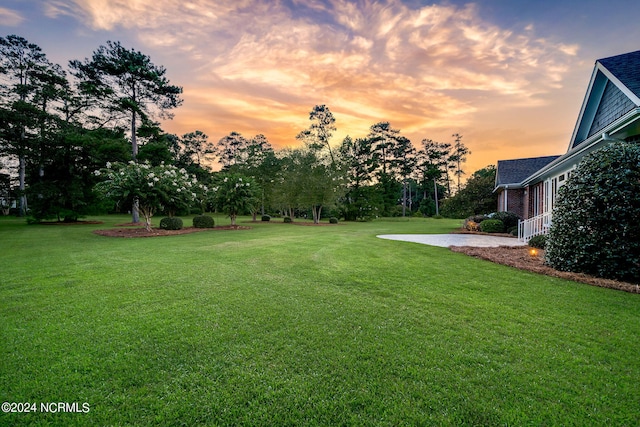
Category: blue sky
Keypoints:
(508, 75)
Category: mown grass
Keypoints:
(294, 325)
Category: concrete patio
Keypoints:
(446, 240)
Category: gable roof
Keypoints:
(613, 91)
(626, 68)
(513, 172)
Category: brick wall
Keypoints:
(515, 201)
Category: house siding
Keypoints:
(614, 104)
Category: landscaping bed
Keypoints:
(520, 257)
(156, 232)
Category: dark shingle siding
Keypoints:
(515, 171)
(614, 104)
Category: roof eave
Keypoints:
(614, 127)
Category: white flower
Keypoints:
(194, 195)
(240, 179)
(155, 179)
(108, 165)
(151, 184)
(96, 173)
(179, 190)
(225, 179)
(151, 175)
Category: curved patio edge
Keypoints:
(446, 240)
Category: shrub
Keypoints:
(509, 219)
(595, 225)
(266, 218)
(203, 221)
(287, 219)
(538, 242)
(492, 226)
(472, 223)
(171, 223)
(333, 220)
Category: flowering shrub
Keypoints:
(151, 187)
(234, 195)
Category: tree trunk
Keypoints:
(435, 195)
(135, 215)
(21, 177)
(404, 198)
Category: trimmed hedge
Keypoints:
(333, 220)
(492, 226)
(287, 219)
(509, 219)
(596, 217)
(266, 218)
(203, 221)
(171, 223)
(538, 242)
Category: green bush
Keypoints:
(509, 219)
(538, 242)
(171, 223)
(333, 220)
(513, 231)
(287, 219)
(595, 224)
(203, 221)
(492, 226)
(266, 218)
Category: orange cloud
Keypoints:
(257, 66)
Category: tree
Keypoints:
(358, 162)
(231, 150)
(196, 147)
(405, 155)
(262, 165)
(595, 227)
(155, 187)
(476, 197)
(24, 70)
(457, 158)
(128, 85)
(317, 136)
(235, 194)
(432, 164)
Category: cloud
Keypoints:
(265, 63)
(10, 18)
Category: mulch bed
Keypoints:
(519, 257)
(134, 230)
(69, 222)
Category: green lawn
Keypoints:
(291, 325)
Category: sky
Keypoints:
(509, 76)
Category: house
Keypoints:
(610, 112)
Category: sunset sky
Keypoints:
(508, 75)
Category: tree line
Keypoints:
(59, 129)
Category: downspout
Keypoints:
(506, 198)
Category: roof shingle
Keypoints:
(515, 171)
